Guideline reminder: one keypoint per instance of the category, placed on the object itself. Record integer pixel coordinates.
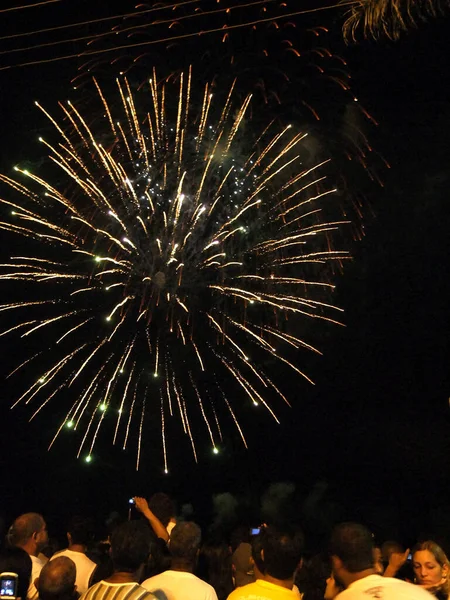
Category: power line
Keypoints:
(100, 19)
(3, 10)
(162, 22)
(180, 37)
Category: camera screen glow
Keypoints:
(7, 587)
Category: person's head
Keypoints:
(29, 531)
(214, 567)
(185, 541)
(281, 552)
(16, 560)
(57, 579)
(238, 535)
(79, 531)
(163, 507)
(311, 578)
(351, 549)
(130, 546)
(51, 547)
(242, 564)
(430, 564)
(390, 547)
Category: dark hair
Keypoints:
(238, 535)
(162, 506)
(16, 560)
(214, 567)
(388, 548)
(51, 547)
(57, 579)
(257, 546)
(159, 558)
(311, 579)
(282, 551)
(130, 546)
(81, 530)
(185, 541)
(353, 544)
(24, 527)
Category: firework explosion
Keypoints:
(287, 59)
(168, 266)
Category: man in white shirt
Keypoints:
(78, 536)
(180, 581)
(29, 532)
(352, 557)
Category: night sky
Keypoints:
(376, 425)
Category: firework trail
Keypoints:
(170, 266)
(286, 58)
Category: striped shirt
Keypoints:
(117, 591)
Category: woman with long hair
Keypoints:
(431, 568)
(214, 567)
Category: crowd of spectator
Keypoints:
(157, 556)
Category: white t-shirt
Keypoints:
(85, 567)
(383, 588)
(36, 568)
(179, 585)
(170, 526)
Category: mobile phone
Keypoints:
(8, 585)
(255, 530)
(409, 556)
(131, 501)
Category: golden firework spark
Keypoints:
(172, 266)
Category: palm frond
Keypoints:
(388, 18)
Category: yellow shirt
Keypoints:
(262, 590)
